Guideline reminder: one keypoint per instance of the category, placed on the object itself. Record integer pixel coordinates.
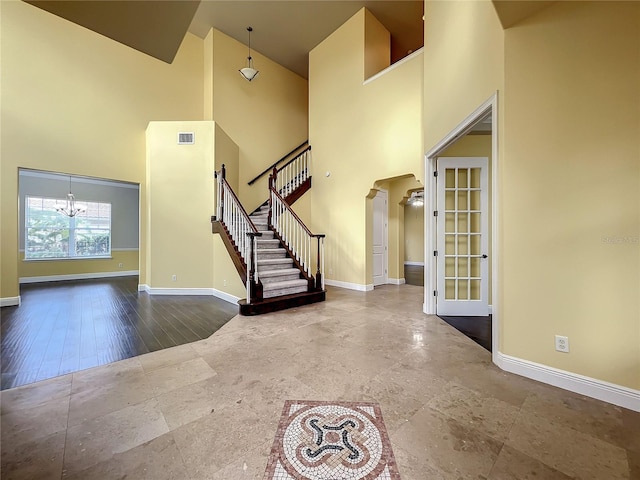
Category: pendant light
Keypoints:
(248, 72)
(71, 209)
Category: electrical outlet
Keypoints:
(174, 278)
(120, 265)
(331, 271)
(224, 283)
(562, 344)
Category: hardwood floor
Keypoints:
(414, 274)
(64, 327)
(477, 329)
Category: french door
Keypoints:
(462, 241)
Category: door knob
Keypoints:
(485, 256)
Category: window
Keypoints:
(49, 234)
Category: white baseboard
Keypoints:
(225, 296)
(417, 264)
(350, 286)
(189, 291)
(178, 291)
(591, 387)
(396, 281)
(77, 276)
(10, 301)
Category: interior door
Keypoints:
(380, 219)
(462, 242)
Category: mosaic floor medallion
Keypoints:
(331, 441)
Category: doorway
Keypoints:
(482, 123)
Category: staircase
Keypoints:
(272, 248)
(275, 267)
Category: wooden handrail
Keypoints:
(242, 210)
(275, 164)
(290, 210)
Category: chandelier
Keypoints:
(71, 209)
(248, 72)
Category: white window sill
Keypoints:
(64, 259)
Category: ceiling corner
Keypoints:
(154, 27)
(511, 12)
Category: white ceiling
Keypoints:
(286, 31)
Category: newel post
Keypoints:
(252, 280)
(251, 274)
(318, 263)
(272, 186)
(221, 182)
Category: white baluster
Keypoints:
(306, 165)
(309, 246)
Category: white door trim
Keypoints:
(385, 236)
(429, 306)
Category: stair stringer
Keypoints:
(219, 228)
(236, 258)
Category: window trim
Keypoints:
(72, 233)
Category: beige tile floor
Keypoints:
(209, 410)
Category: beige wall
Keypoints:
(76, 102)
(181, 189)
(463, 63)
(377, 46)
(266, 118)
(43, 268)
(225, 275)
(414, 233)
(180, 205)
(226, 153)
(569, 171)
(360, 133)
(571, 207)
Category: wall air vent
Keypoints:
(186, 138)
